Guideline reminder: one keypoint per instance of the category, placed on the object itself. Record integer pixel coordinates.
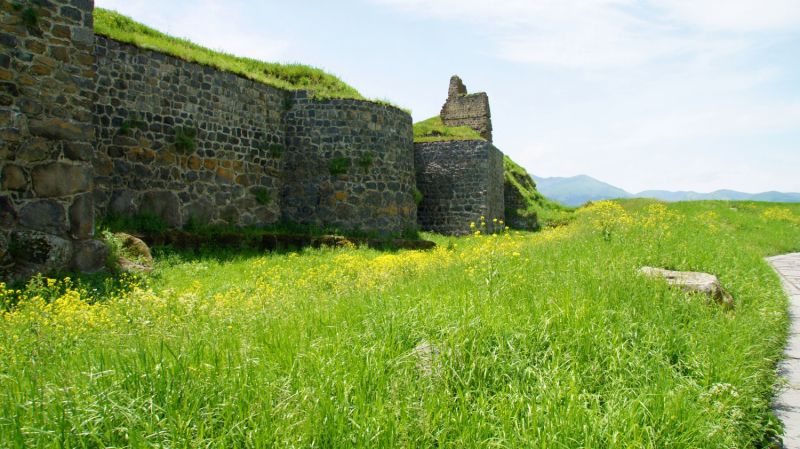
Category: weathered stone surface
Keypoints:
(44, 215)
(8, 213)
(45, 251)
(34, 151)
(81, 217)
(201, 211)
(61, 130)
(460, 181)
(693, 282)
(124, 203)
(78, 151)
(137, 249)
(90, 256)
(164, 204)
(463, 109)
(61, 179)
(13, 178)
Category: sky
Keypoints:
(661, 94)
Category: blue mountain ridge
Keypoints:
(577, 190)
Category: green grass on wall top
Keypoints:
(433, 130)
(282, 76)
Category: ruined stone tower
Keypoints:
(464, 109)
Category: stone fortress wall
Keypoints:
(460, 180)
(250, 137)
(46, 135)
(88, 124)
(93, 126)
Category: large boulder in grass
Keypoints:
(136, 249)
(693, 282)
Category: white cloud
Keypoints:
(210, 23)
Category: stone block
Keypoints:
(44, 215)
(47, 252)
(61, 130)
(124, 203)
(13, 178)
(164, 204)
(34, 151)
(89, 256)
(61, 179)
(81, 217)
(79, 151)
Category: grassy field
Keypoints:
(546, 340)
(283, 76)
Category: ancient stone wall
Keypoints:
(461, 181)
(250, 138)
(148, 105)
(46, 132)
(463, 109)
(376, 144)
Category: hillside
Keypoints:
(577, 190)
(282, 76)
(526, 207)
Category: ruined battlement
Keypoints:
(464, 109)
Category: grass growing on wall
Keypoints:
(434, 130)
(547, 340)
(283, 76)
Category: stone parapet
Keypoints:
(463, 109)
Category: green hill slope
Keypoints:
(282, 76)
(526, 207)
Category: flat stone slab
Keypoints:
(786, 405)
(693, 282)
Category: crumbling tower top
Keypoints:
(464, 109)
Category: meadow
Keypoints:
(548, 340)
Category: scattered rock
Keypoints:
(136, 248)
(127, 265)
(693, 282)
(90, 256)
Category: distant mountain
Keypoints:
(577, 190)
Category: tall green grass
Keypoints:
(282, 76)
(547, 340)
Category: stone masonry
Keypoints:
(249, 137)
(46, 134)
(461, 181)
(144, 100)
(463, 109)
(376, 195)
